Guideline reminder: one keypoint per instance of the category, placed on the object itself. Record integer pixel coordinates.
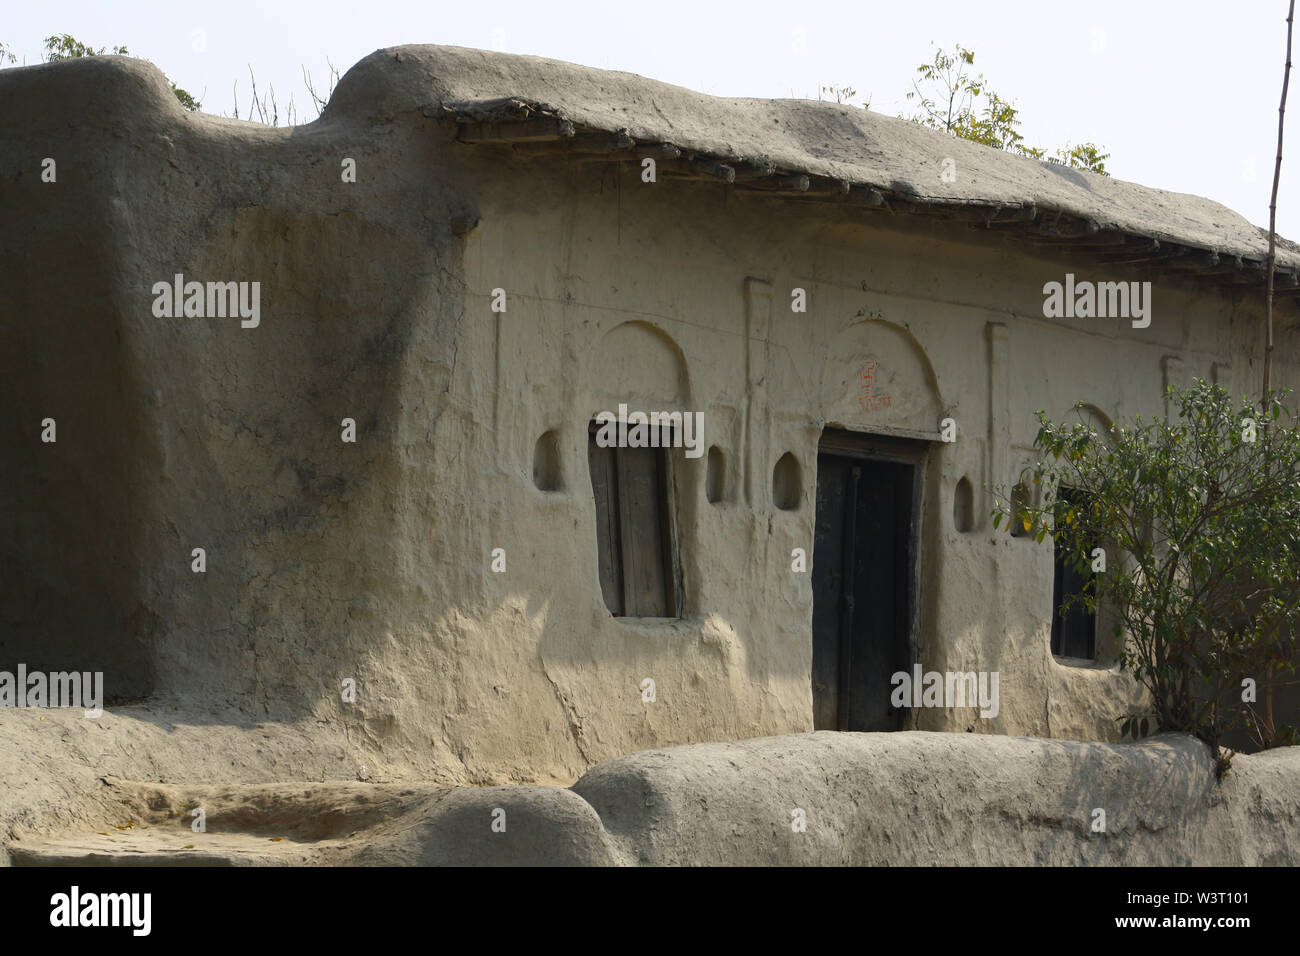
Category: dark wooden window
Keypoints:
(1074, 631)
(634, 530)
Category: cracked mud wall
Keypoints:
(370, 560)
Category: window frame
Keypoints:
(1056, 641)
(669, 538)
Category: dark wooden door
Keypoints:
(862, 572)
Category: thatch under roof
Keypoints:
(803, 149)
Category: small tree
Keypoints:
(1199, 518)
(64, 46)
(956, 101)
(844, 95)
(946, 91)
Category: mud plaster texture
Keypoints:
(930, 799)
(369, 561)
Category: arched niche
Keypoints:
(963, 506)
(877, 378)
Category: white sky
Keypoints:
(1183, 95)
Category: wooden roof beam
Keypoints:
(536, 130)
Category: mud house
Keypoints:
(395, 479)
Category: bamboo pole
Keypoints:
(1272, 214)
(1269, 728)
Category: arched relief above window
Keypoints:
(641, 365)
(1092, 415)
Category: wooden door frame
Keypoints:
(867, 446)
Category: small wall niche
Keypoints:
(715, 475)
(963, 506)
(787, 483)
(546, 462)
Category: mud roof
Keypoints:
(811, 151)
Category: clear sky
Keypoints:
(1184, 95)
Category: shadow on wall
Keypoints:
(72, 437)
(183, 432)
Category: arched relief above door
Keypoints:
(640, 364)
(877, 378)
